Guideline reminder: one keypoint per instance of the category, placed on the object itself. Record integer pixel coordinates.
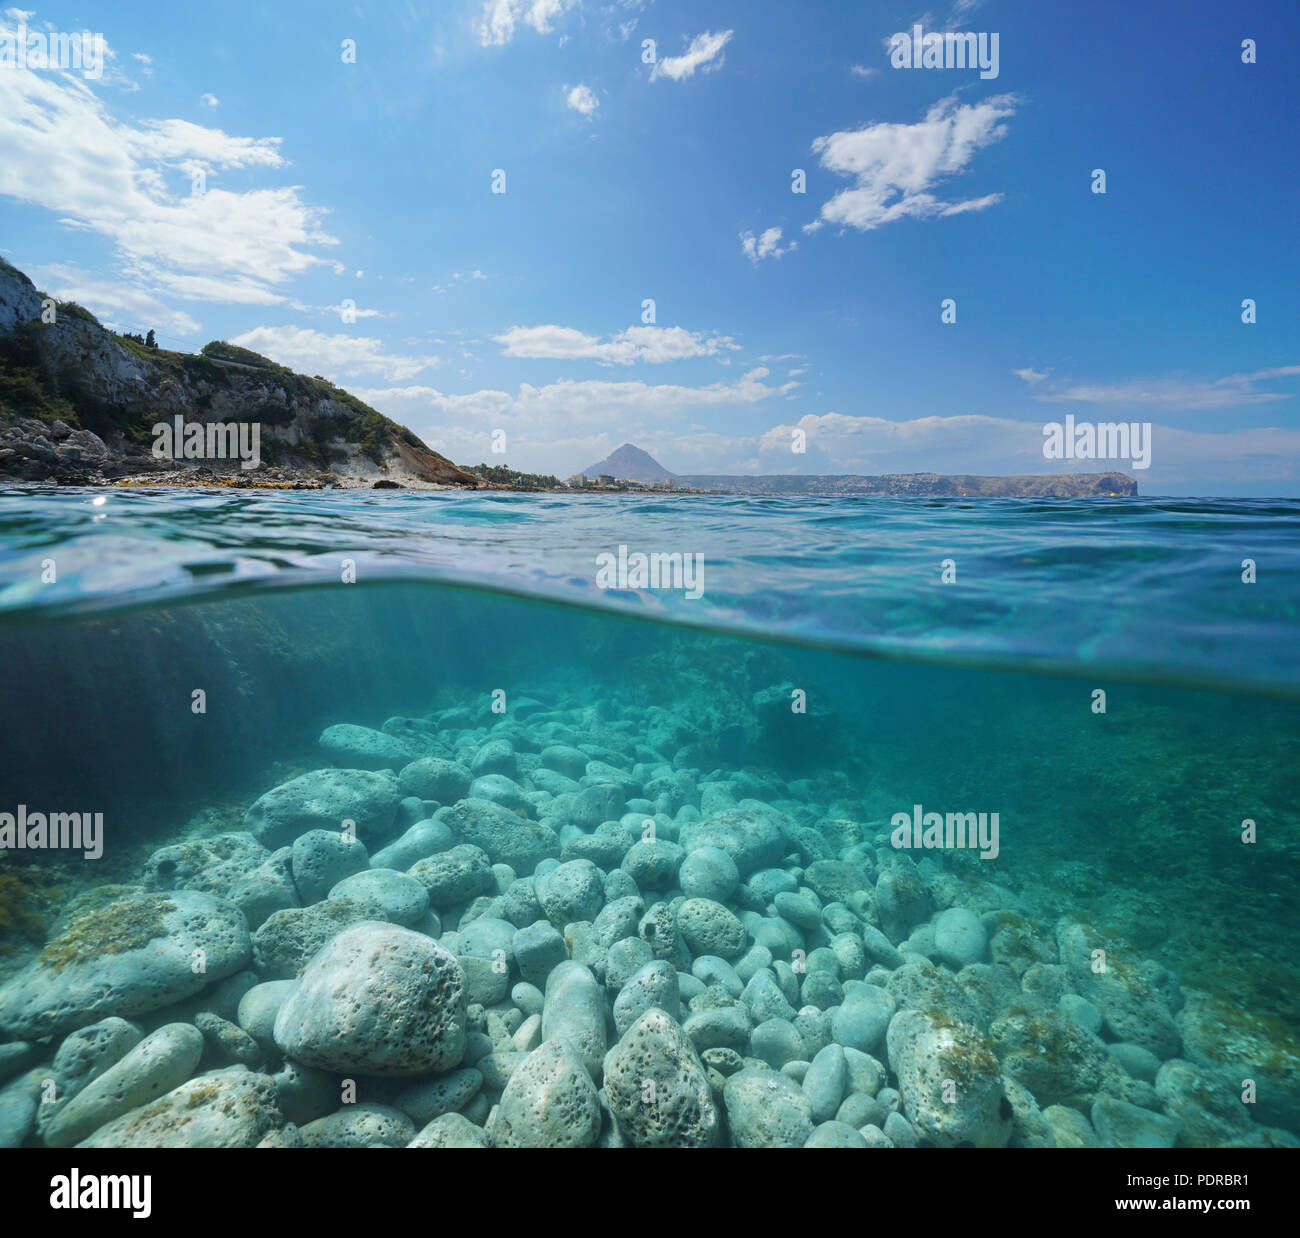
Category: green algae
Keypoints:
(113, 929)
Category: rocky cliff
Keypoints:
(78, 403)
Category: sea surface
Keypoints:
(1118, 680)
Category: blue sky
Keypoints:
(326, 182)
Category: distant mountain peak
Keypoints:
(629, 463)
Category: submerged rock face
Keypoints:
(550, 1102)
(135, 954)
(657, 1086)
(377, 1000)
(949, 1080)
(507, 837)
(325, 799)
(231, 1108)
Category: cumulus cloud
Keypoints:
(649, 344)
(209, 100)
(1031, 376)
(768, 245)
(332, 356)
(581, 99)
(593, 402)
(119, 305)
(63, 150)
(704, 54)
(500, 17)
(895, 167)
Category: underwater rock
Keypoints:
(433, 778)
(212, 865)
(959, 937)
(421, 840)
(657, 1087)
(230, 1108)
(496, 756)
(751, 834)
(19, 1099)
(766, 1110)
(539, 949)
(132, 955)
(863, 1018)
(285, 944)
(653, 863)
(653, 985)
(17, 1055)
(404, 900)
(709, 872)
(360, 1126)
(550, 1102)
(358, 747)
(836, 1135)
(709, 928)
(227, 1042)
(377, 1000)
(160, 1062)
(949, 1080)
(324, 799)
(506, 837)
(826, 1082)
(454, 876)
(1121, 1125)
(259, 1007)
(429, 1099)
(575, 1011)
(83, 1056)
(500, 790)
(322, 858)
(451, 1130)
(1219, 1034)
(1132, 1006)
(571, 892)
(1206, 1102)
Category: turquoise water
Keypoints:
(825, 679)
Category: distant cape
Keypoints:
(629, 463)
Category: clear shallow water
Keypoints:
(1127, 822)
(1143, 587)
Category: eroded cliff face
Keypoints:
(78, 404)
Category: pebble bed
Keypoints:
(562, 930)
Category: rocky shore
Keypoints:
(565, 930)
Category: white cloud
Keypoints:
(1174, 394)
(861, 70)
(704, 53)
(332, 356)
(61, 149)
(581, 99)
(756, 248)
(566, 403)
(209, 100)
(141, 57)
(649, 344)
(1031, 376)
(118, 305)
(895, 166)
(499, 18)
